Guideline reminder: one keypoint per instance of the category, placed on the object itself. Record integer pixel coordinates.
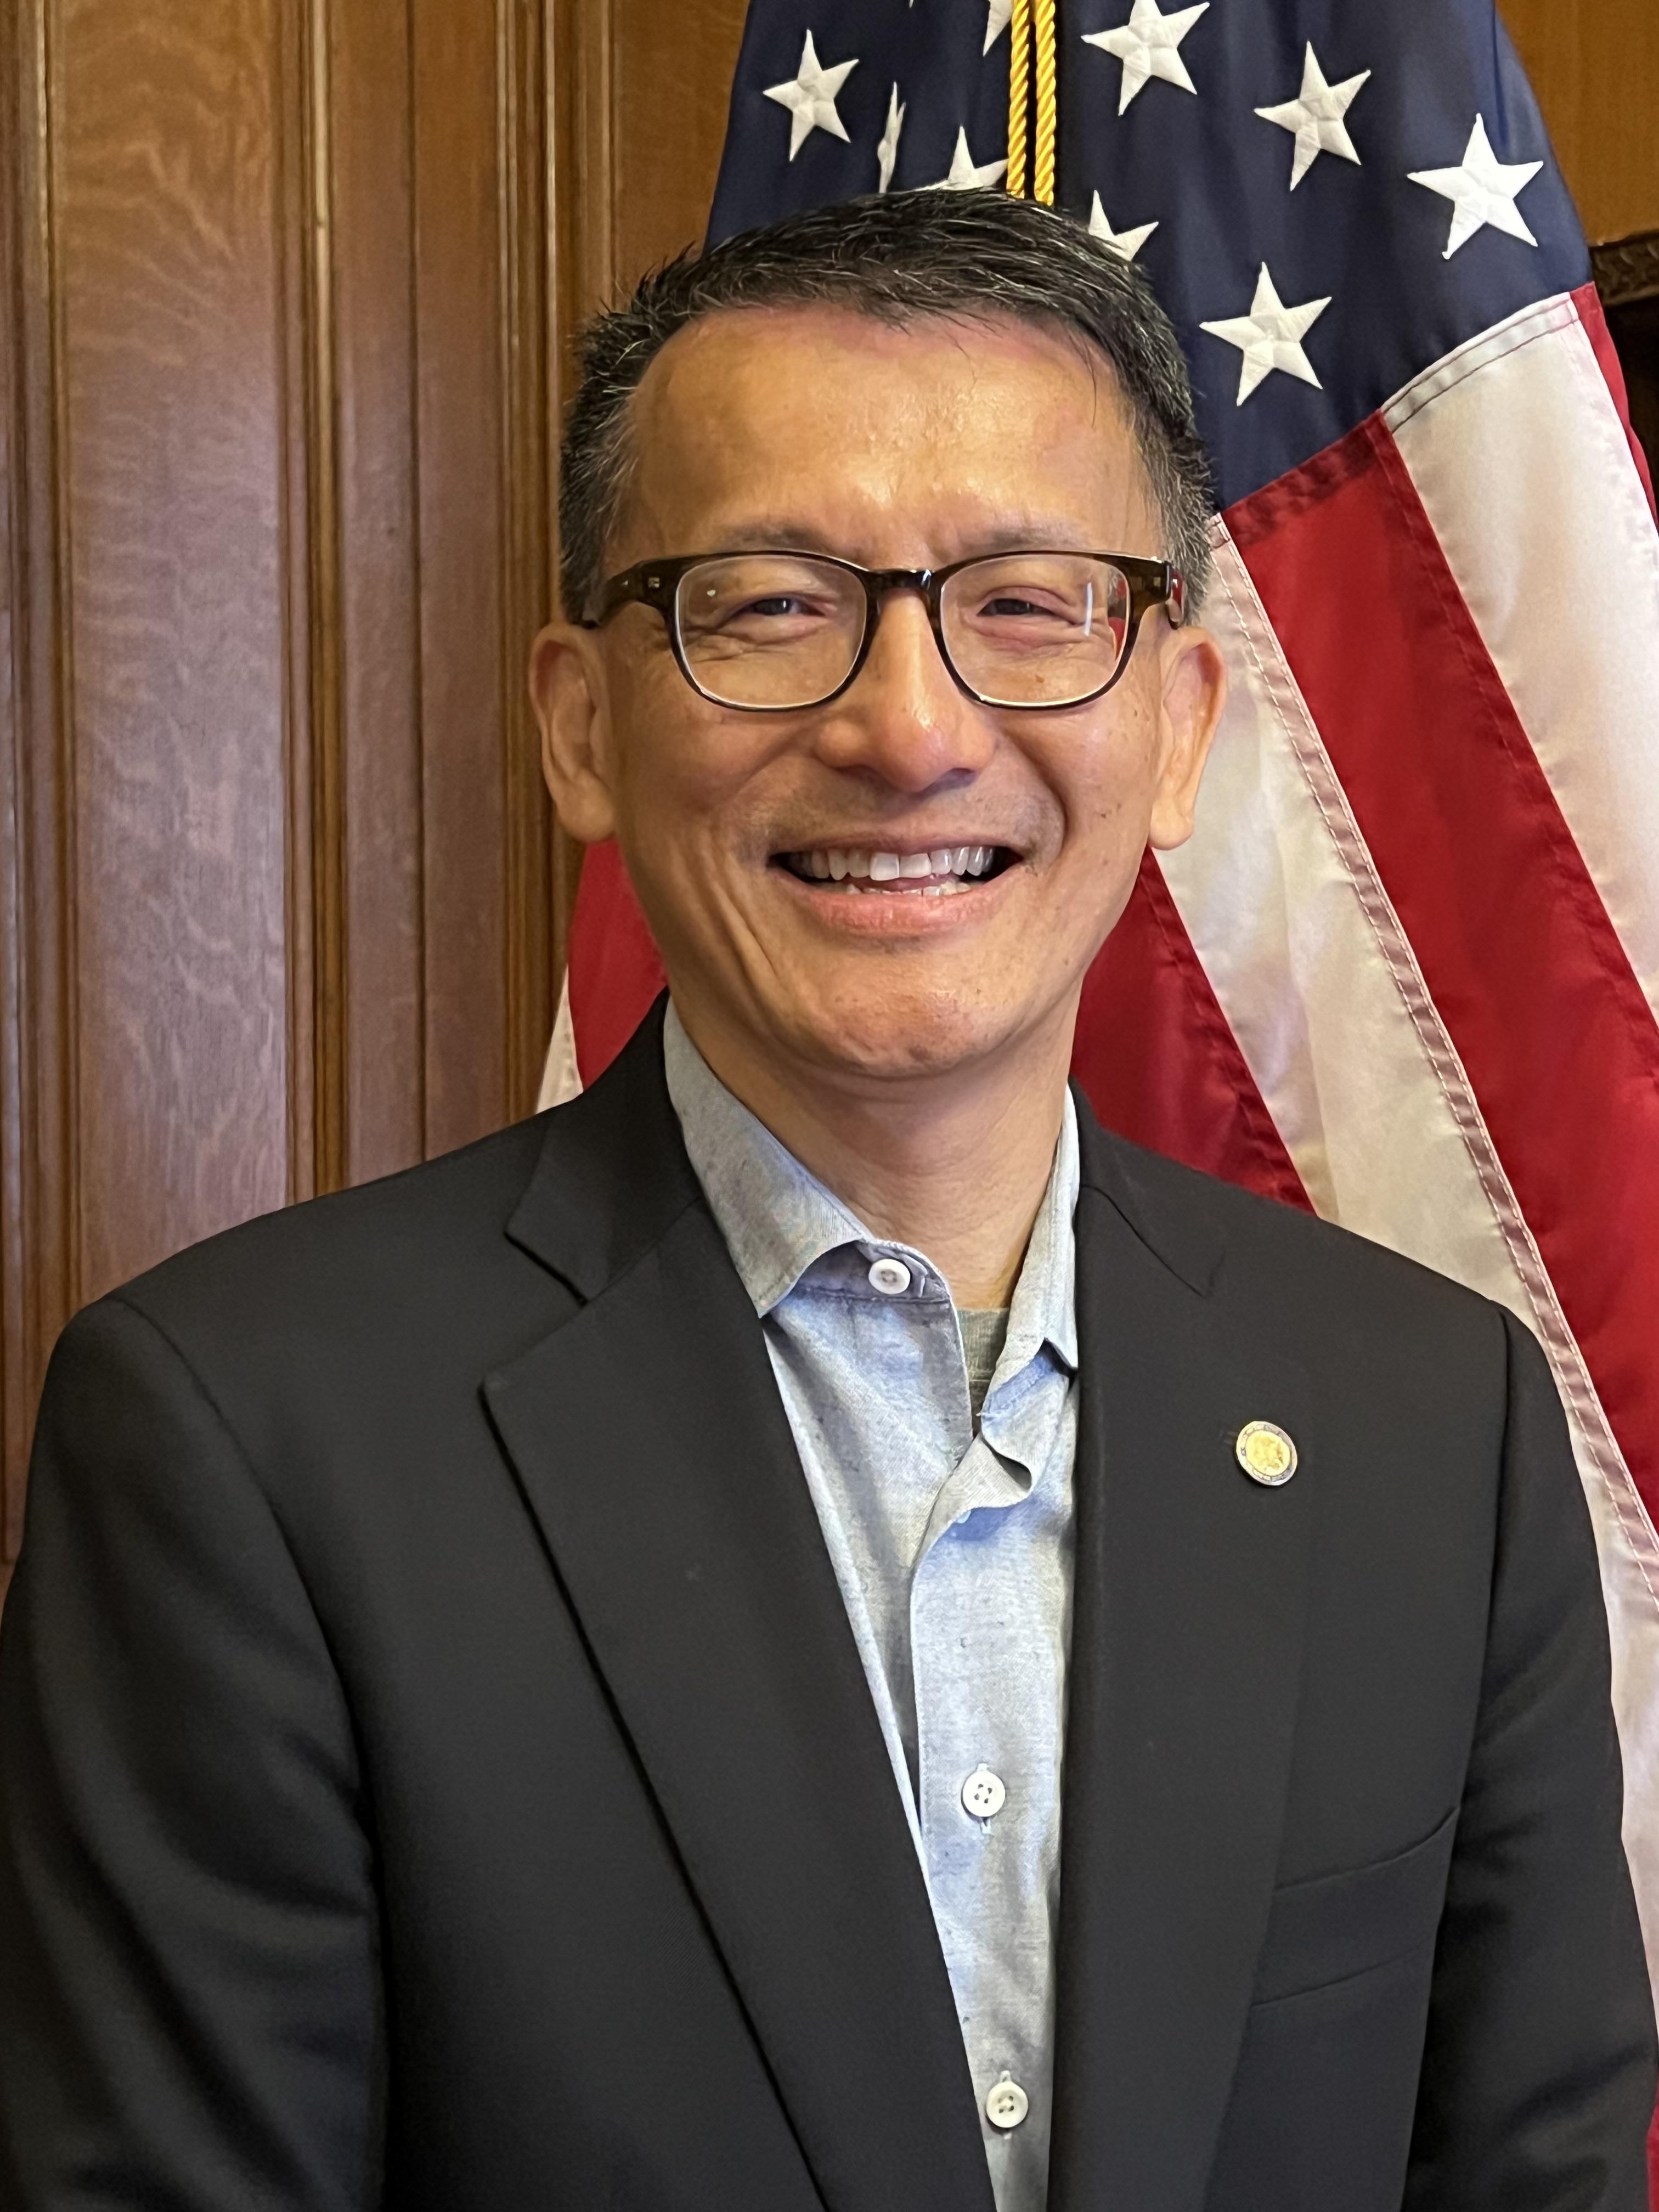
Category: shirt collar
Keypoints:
(778, 1219)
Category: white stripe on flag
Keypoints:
(561, 1079)
(1282, 901)
(1520, 458)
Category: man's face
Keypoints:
(820, 429)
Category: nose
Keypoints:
(903, 719)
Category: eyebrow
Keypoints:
(769, 533)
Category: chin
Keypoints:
(900, 1037)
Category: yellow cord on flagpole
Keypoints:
(1020, 93)
(1043, 182)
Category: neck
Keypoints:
(955, 1165)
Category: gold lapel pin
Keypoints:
(1265, 1453)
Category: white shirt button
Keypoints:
(1006, 2104)
(890, 1277)
(984, 1796)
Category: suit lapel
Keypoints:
(652, 1445)
(1186, 1654)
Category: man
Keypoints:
(811, 1630)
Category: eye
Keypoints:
(779, 603)
(1006, 604)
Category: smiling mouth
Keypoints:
(944, 872)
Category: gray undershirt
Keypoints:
(984, 1332)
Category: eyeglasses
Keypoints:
(778, 632)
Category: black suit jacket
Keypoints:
(437, 1771)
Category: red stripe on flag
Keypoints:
(1158, 1059)
(1590, 313)
(616, 969)
(1511, 935)
(1154, 1052)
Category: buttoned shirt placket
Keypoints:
(952, 1550)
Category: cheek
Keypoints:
(1107, 780)
(687, 778)
(670, 765)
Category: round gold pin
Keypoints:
(1265, 1453)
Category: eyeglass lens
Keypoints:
(785, 630)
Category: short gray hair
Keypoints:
(964, 256)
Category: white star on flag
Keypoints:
(810, 96)
(998, 12)
(1128, 243)
(1270, 337)
(887, 150)
(1149, 45)
(1482, 189)
(1316, 119)
(965, 175)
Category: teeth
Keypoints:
(953, 863)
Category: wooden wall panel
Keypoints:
(275, 908)
(1596, 65)
(436, 216)
(169, 281)
(369, 848)
(36, 1006)
(669, 99)
(458, 433)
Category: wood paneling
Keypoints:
(640, 100)
(1595, 66)
(36, 1067)
(669, 122)
(164, 134)
(275, 527)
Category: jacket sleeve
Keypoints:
(188, 2004)
(1539, 2071)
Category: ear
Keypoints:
(1194, 693)
(568, 690)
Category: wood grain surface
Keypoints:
(462, 498)
(371, 825)
(669, 102)
(275, 908)
(168, 284)
(37, 1004)
(1595, 66)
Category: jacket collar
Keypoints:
(613, 1174)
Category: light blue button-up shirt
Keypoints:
(953, 1549)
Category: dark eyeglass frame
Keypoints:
(655, 584)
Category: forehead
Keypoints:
(837, 425)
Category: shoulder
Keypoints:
(1293, 1276)
(407, 1256)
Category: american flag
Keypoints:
(1407, 974)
